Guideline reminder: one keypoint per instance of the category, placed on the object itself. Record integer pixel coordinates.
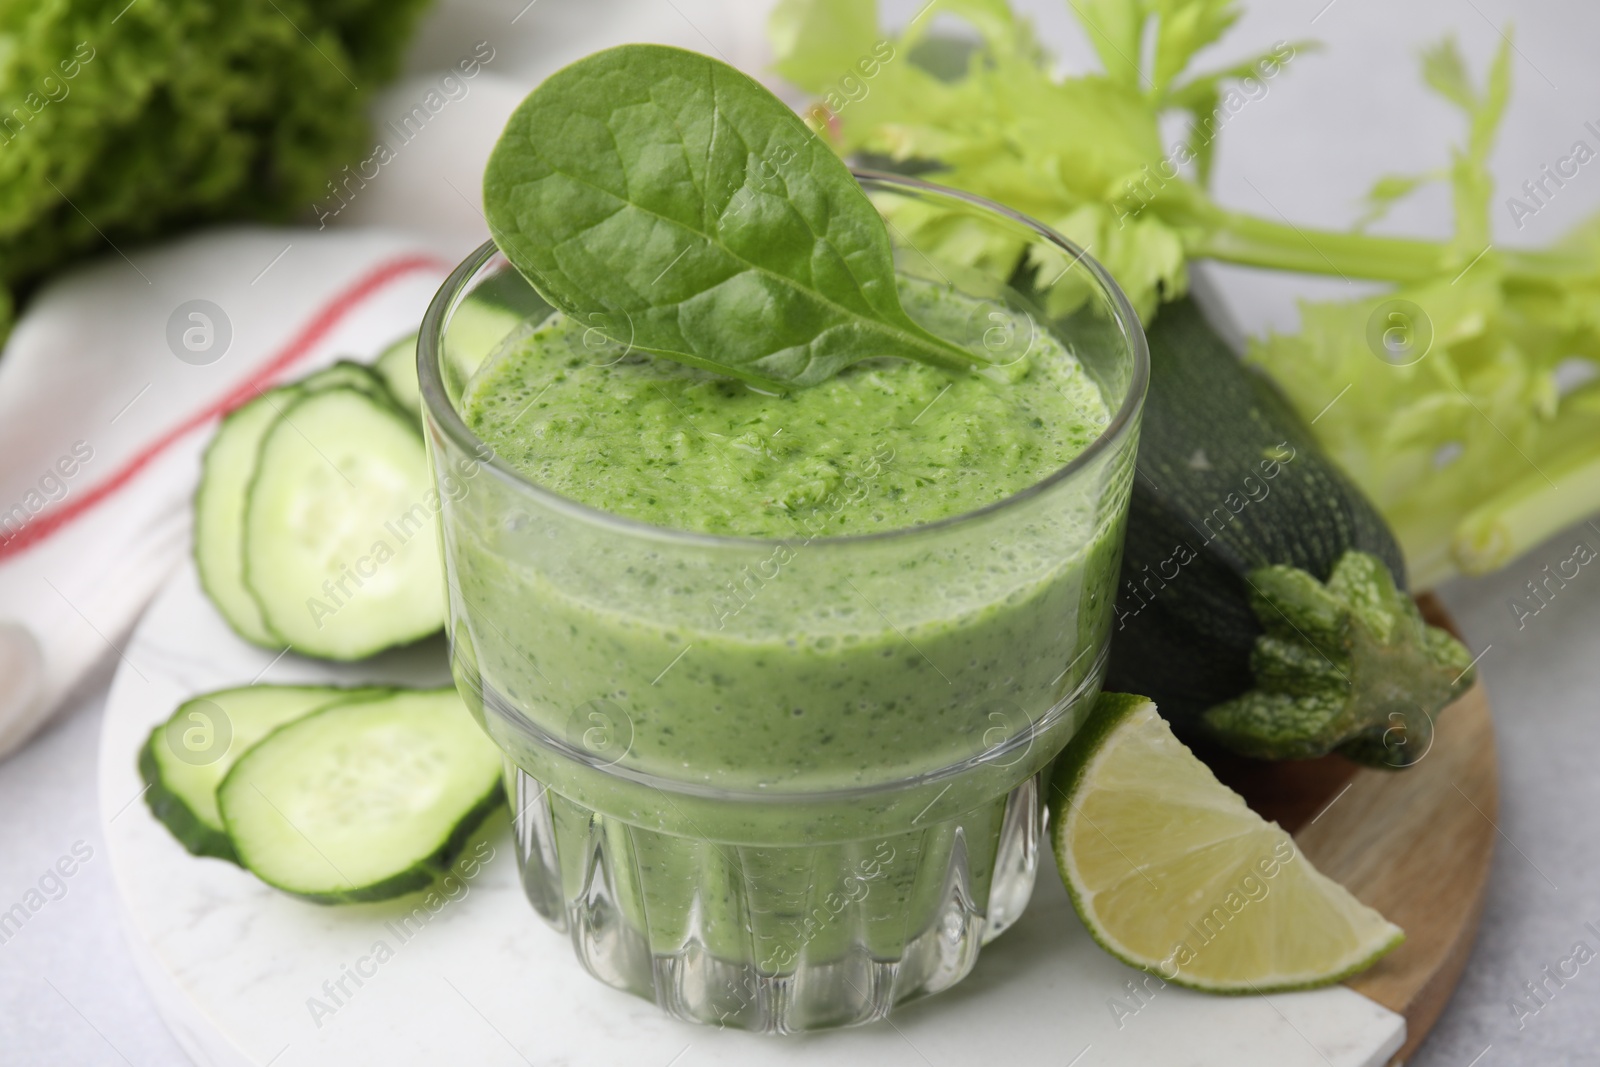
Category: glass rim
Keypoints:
(430, 341)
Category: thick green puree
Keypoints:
(673, 446)
(776, 671)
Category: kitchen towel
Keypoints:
(116, 375)
(118, 372)
(109, 390)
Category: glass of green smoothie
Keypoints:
(778, 677)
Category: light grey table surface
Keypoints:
(1334, 122)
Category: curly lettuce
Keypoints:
(121, 121)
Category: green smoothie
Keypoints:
(786, 729)
(905, 443)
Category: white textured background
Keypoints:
(1333, 123)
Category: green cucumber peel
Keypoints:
(680, 208)
(1345, 666)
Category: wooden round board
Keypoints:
(237, 968)
(1415, 845)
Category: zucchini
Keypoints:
(188, 755)
(362, 801)
(1262, 600)
(340, 542)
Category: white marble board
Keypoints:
(238, 969)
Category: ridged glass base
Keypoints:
(776, 939)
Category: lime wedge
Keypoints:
(1172, 873)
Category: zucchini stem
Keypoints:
(1346, 666)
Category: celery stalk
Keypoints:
(1526, 513)
(1086, 154)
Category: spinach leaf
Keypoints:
(678, 205)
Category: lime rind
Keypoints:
(1156, 788)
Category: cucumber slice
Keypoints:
(477, 330)
(362, 801)
(189, 754)
(340, 539)
(224, 478)
(219, 508)
(397, 366)
(347, 374)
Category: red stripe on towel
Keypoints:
(297, 349)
